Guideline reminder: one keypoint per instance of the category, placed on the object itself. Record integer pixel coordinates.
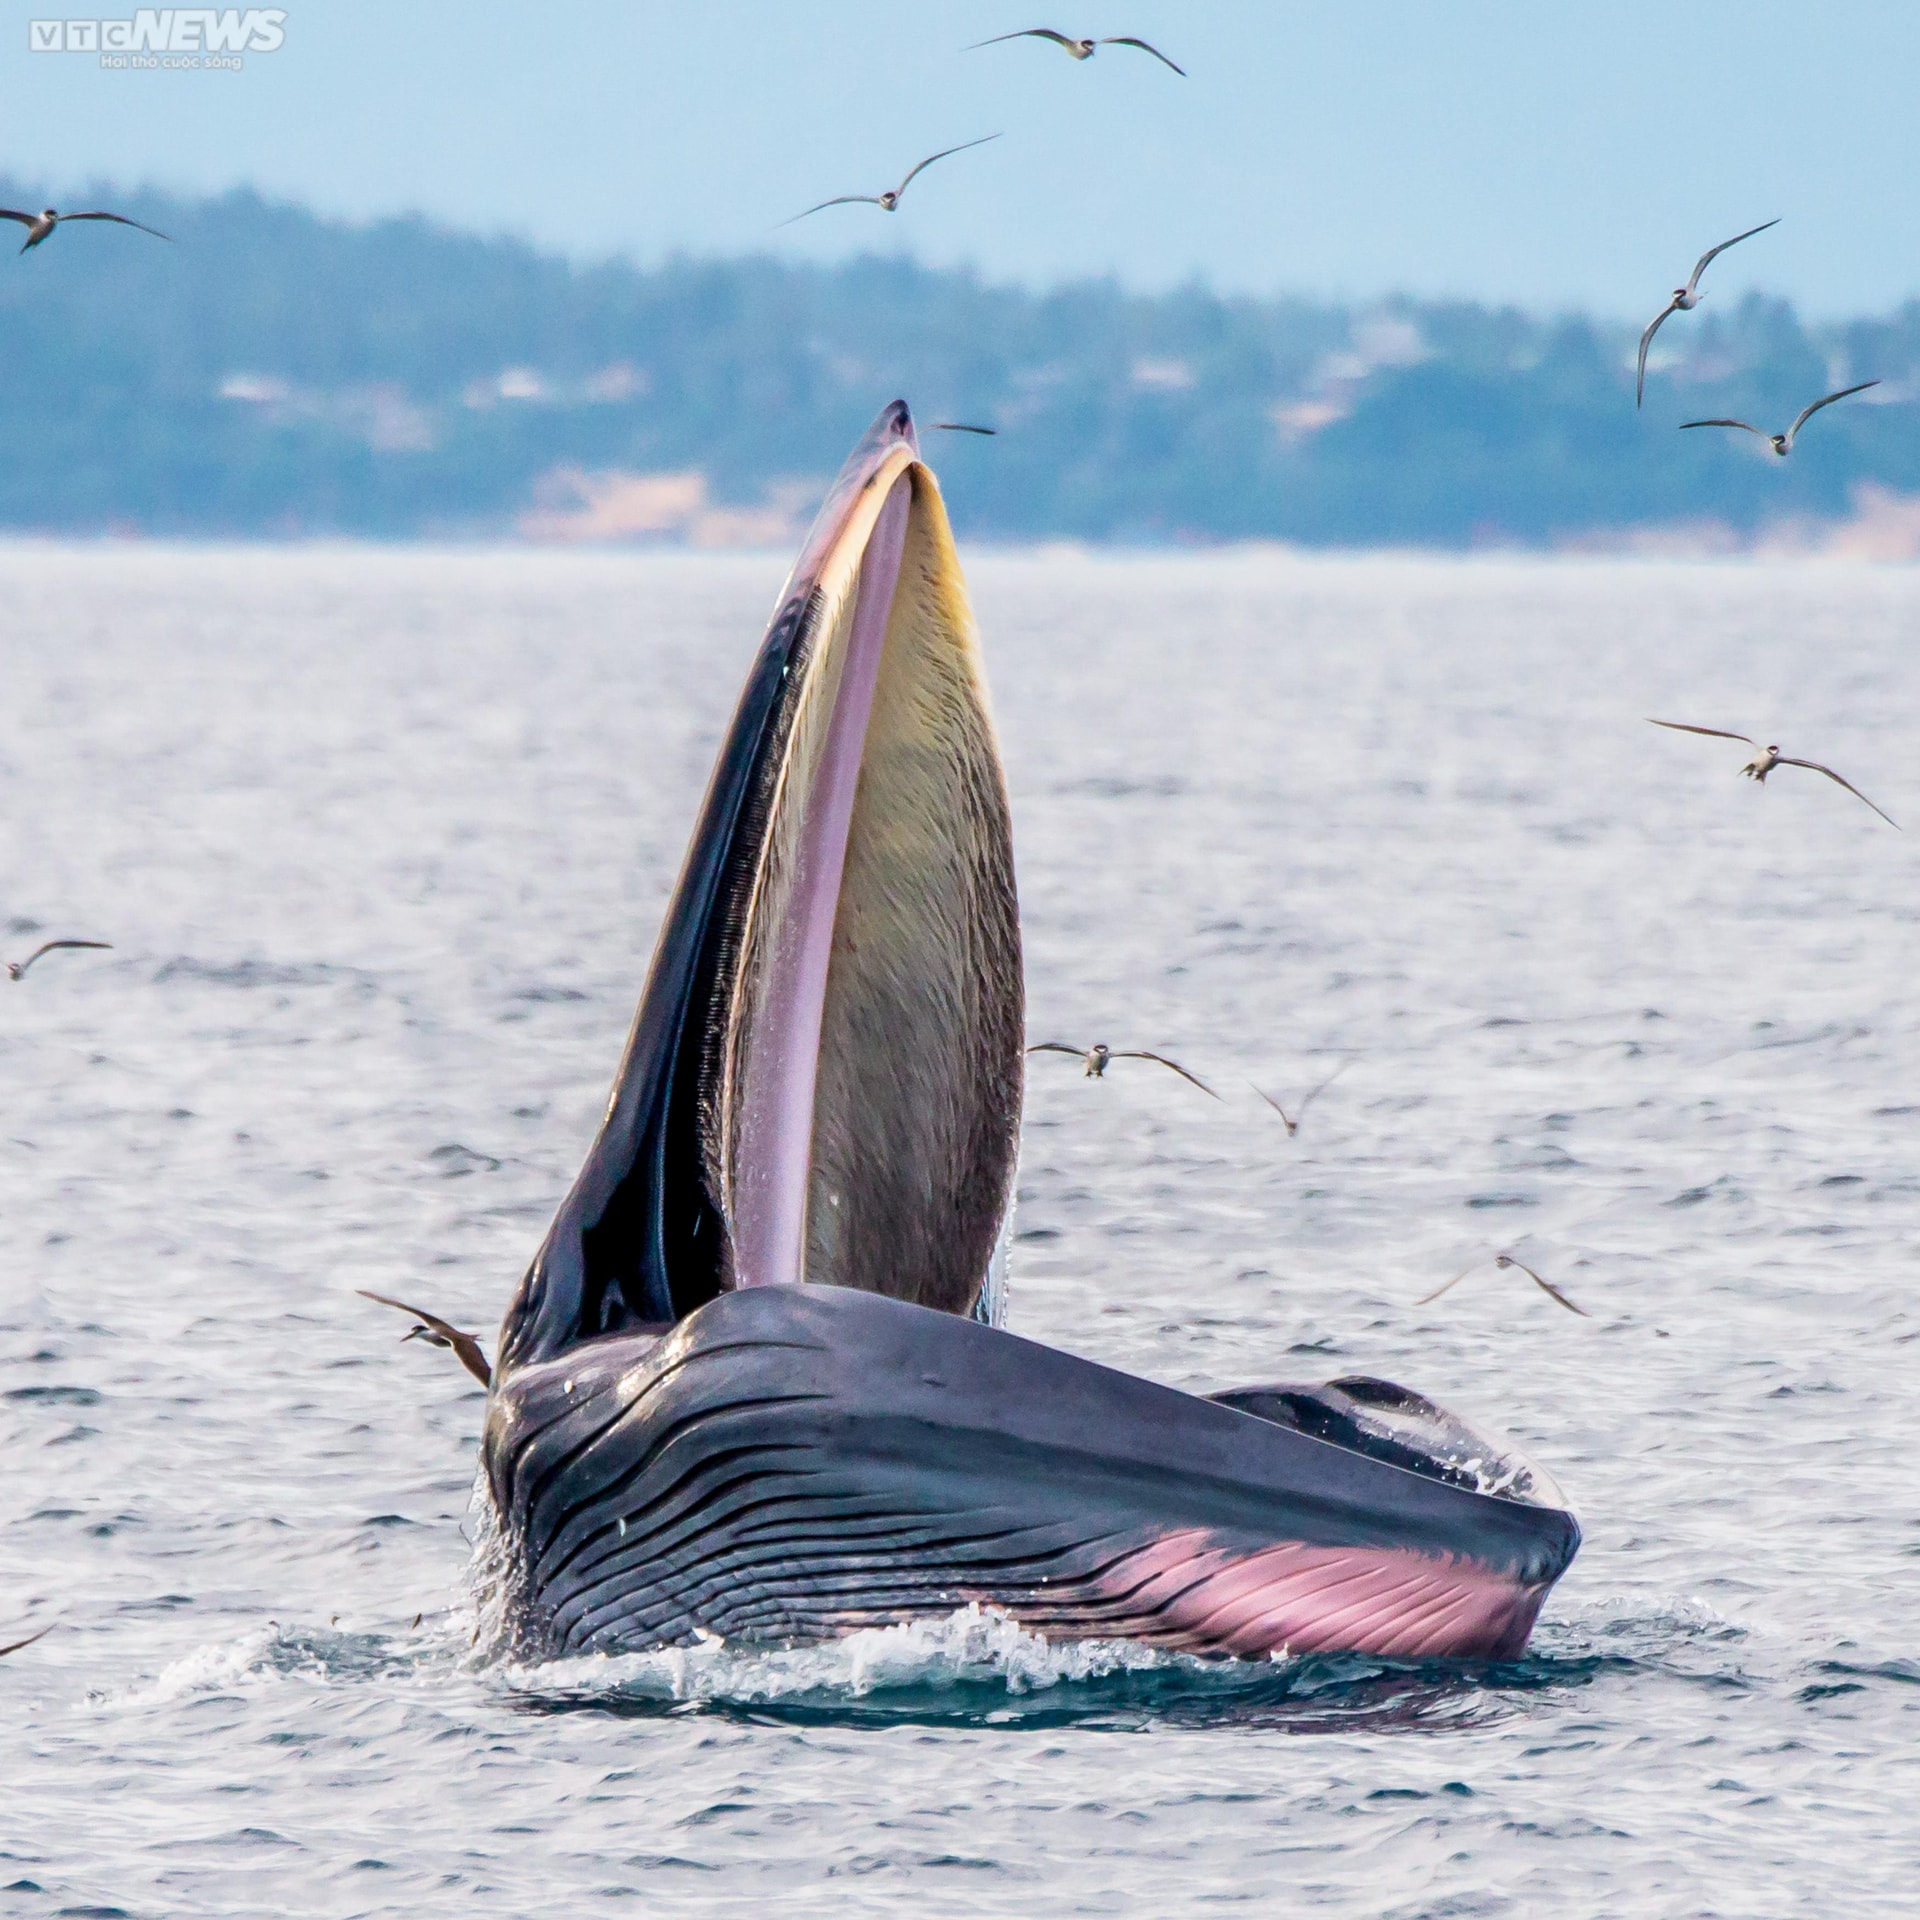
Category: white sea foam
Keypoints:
(279, 1652)
(221, 1666)
(974, 1646)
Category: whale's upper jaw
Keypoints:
(823, 1078)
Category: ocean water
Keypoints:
(380, 839)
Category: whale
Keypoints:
(757, 1381)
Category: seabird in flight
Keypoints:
(960, 426)
(1080, 49)
(1782, 443)
(1506, 1260)
(890, 200)
(437, 1333)
(1765, 759)
(1306, 1099)
(1097, 1059)
(1685, 299)
(39, 225)
(17, 969)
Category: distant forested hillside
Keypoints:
(275, 373)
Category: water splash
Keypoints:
(973, 1647)
(978, 1667)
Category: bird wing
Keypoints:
(54, 946)
(1742, 424)
(1057, 1046)
(839, 200)
(1307, 1099)
(463, 1344)
(16, 1645)
(1815, 766)
(941, 155)
(475, 1362)
(1700, 265)
(1128, 40)
(1479, 1260)
(960, 426)
(1807, 413)
(1025, 33)
(1292, 1125)
(1717, 733)
(1646, 340)
(14, 213)
(1507, 1260)
(119, 219)
(1142, 1053)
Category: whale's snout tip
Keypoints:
(895, 424)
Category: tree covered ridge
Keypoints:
(278, 373)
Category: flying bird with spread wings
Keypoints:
(889, 201)
(1782, 443)
(439, 1333)
(1765, 759)
(40, 225)
(1685, 299)
(1306, 1099)
(1098, 1058)
(1080, 49)
(1506, 1260)
(17, 969)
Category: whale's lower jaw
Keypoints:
(1199, 1592)
(791, 1463)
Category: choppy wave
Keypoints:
(264, 1656)
(1293, 857)
(979, 1667)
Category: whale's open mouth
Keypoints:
(823, 1079)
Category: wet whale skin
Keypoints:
(789, 1463)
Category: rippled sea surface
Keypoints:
(381, 838)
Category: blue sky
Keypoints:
(1551, 154)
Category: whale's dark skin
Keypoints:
(676, 1448)
(793, 1462)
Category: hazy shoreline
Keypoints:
(1652, 548)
